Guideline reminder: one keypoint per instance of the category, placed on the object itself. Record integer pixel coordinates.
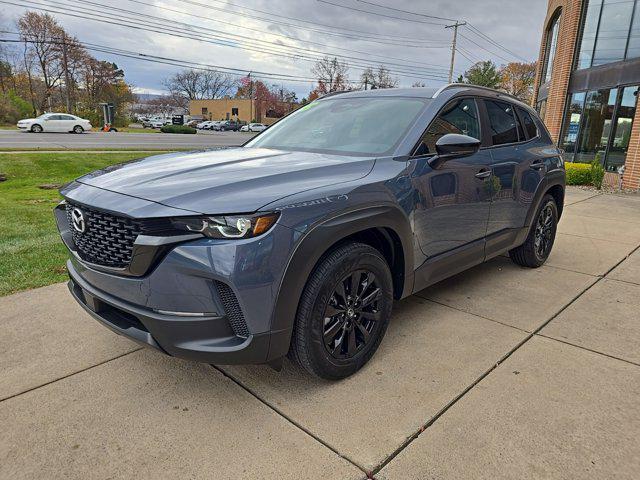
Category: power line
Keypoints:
(294, 19)
(403, 70)
(407, 11)
(473, 29)
(484, 48)
(380, 14)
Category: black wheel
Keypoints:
(36, 128)
(78, 129)
(537, 247)
(344, 312)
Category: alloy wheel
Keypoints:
(545, 226)
(351, 314)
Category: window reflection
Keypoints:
(550, 48)
(596, 125)
(622, 129)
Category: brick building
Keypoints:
(587, 83)
(239, 109)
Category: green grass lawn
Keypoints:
(31, 252)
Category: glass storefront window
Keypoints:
(596, 125)
(572, 124)
(606, 31)
(622, 129)
(633, 50)
(589, 33)
(611, 43)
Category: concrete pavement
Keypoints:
(13, 139)
(499, 372)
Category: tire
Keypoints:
(334, 347)
(36, 128)
(78, 129)
(537, 247)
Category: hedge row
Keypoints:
(585, 173)
(177, 129)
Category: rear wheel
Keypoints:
(78, 129)
(36, 128)
(344, 312)
(537, 247)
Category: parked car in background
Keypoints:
(230, 125)
(192, 123)
(55, 122)
(201, 125)
(298, 242)
(157, 123)
(256, 127)
(244, 128)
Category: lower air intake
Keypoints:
(232, 309)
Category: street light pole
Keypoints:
(453, 46)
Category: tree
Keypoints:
(418, 84)
(331, 75)
(379, 78)
(518, 79)
(199, 84)
(484, 74)
(42, 36)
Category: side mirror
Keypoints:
(453, 145)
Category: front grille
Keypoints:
(108, 239)
(232, 309)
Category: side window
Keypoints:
(502, 122)
(66, 117)
(458, 116)
(529, 125)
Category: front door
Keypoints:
(453, 200)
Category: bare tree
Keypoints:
(198, 84)
(41, 35)
(332, 75)
(379, 78)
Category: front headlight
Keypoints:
(228, 226)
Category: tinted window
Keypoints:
(529, 125)
(66, 117)
(502, 122)
(459, 116)
(356, 126)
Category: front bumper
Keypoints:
(200, 299)
(205, 339)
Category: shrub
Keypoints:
(578, 173)
(597, 172)
(177, 129)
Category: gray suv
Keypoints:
(298, 242)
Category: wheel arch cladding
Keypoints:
(385, 228)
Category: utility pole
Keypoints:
(453, 46)
(251, 115)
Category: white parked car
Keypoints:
(257, 127)
(157, 123)
(244, 128)
(55, 122)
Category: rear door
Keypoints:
(517, 169)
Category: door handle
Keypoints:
(537, 165)
(485, 173)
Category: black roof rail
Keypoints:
(469, 85)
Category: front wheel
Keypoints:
(78, 129)
(344, 312)
(36, 128)
(537, 247)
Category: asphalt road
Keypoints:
(13, 139)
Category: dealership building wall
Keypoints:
(586, 87)
(242, 109)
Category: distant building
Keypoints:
(239, 109)
(587, 83)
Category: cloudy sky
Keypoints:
(281, 39)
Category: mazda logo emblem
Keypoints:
(77, 218)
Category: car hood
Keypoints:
(237, 180)
(27, 120)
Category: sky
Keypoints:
(285, 37)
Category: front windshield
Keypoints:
(353, 126)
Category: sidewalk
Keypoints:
(499, 372)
